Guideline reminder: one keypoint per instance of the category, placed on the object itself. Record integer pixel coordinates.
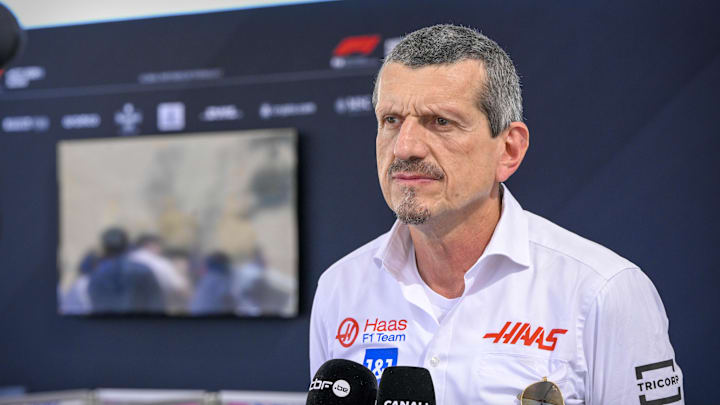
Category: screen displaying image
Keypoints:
(188, 225)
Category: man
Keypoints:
(488, 297)
(257, 290)
(119, 285)
(213, 295)
(76, 300)
(174, 284)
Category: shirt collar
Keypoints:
(395, 250)
(510, 239)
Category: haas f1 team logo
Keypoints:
(375, 331)
(523, 332)
(347, 332)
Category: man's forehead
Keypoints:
(464, 67)
(457, 82)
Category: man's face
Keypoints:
(436, 157)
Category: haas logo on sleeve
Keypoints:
(525, 334)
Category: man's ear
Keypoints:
(515, 139)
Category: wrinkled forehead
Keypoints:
(460, 84)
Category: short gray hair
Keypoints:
(500, 98)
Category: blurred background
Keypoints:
(201, 224)
(619, 98)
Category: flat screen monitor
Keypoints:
(180, 225)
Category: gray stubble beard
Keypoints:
(409, 211)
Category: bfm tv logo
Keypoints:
(355, 52)
(349, 329)
(522, 332)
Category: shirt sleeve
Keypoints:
(627, 348)
(318, 335)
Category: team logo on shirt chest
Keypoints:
(374, 331)
(347, 332)
(524, 333)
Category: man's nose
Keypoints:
(410, 142)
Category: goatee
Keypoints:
(409, 211)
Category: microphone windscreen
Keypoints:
(10, 36)
(406, 385)
(342, 382)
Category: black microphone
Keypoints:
(406, 385)
(342, 382)
(10, 36)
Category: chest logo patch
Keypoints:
(527, 335)
(380, 331)
(347, 332)
(377, 360)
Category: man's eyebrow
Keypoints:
(385, 108)
(447, 111)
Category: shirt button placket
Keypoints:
(436, 363)
(438, 360)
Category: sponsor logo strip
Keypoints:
(128, 119)
(21, 77)
(26, 123)
(228, 112)
(267, 110)
(354, 105)
(171, 116)
(80, 121)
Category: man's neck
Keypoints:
(445, 250)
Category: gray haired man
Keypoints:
(498, 303)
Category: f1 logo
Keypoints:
(360, 44)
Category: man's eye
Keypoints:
(390, 120)
(442, 121)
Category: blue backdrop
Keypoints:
(619, 99)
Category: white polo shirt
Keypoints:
(539, 302)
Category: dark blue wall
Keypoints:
(620, 99)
